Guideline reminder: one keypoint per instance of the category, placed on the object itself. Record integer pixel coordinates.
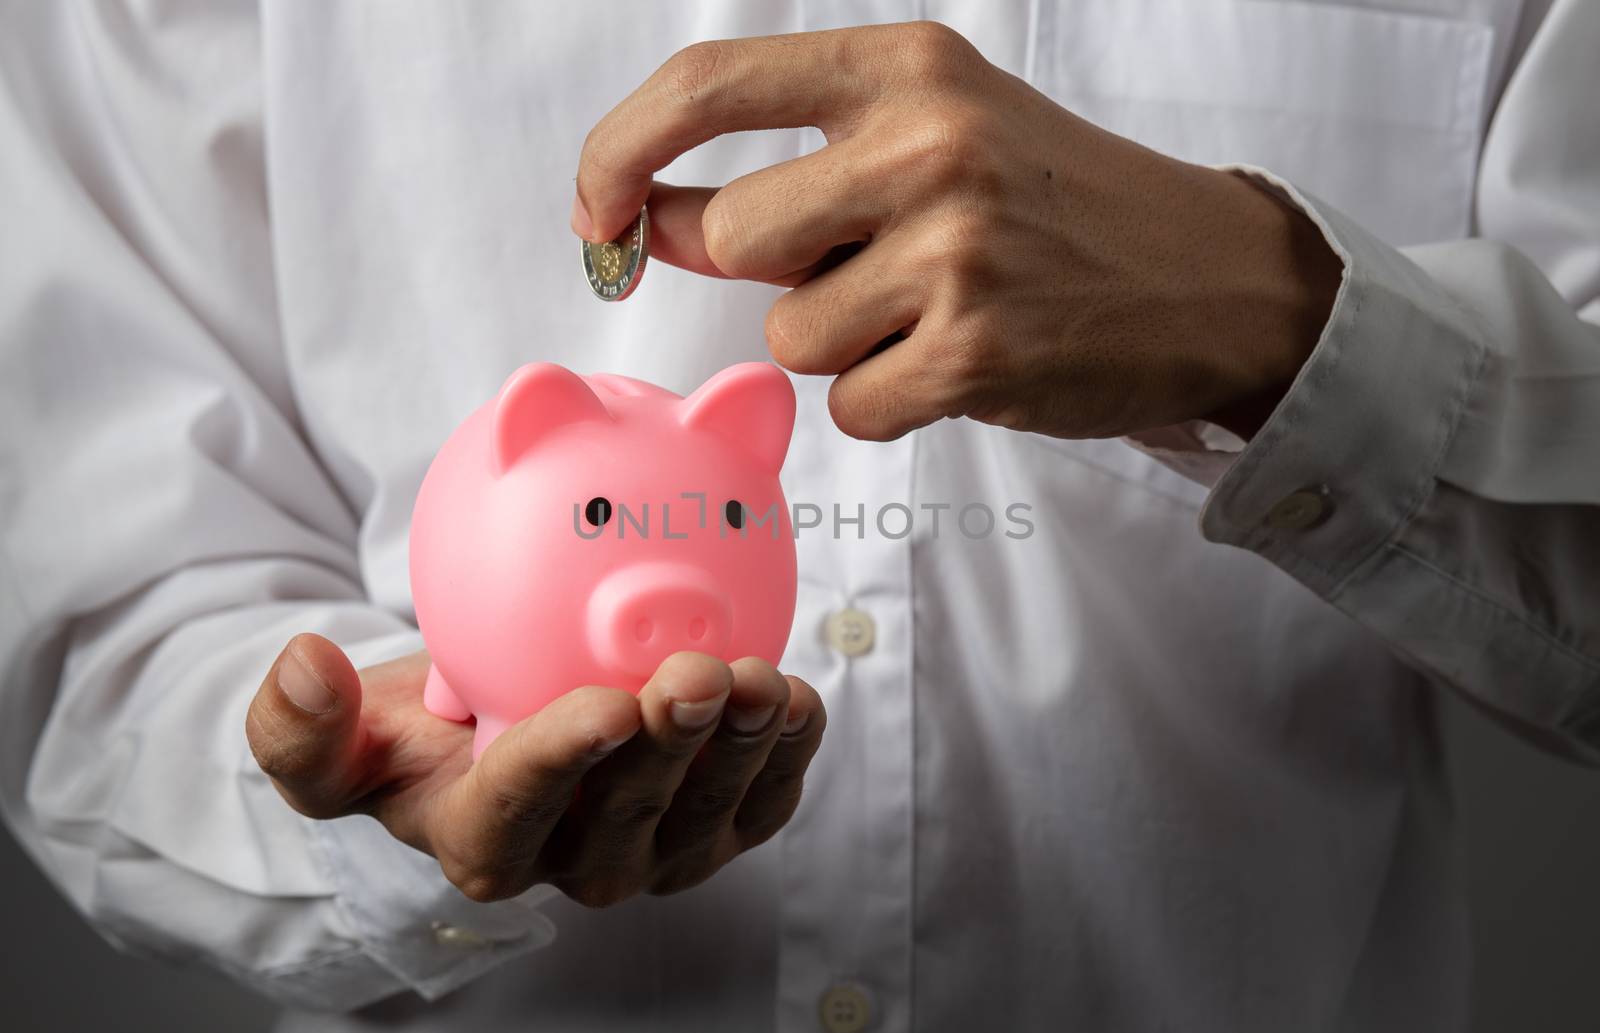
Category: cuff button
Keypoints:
(1301, 510)
(455, 936)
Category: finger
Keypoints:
(488, 826)
(908, 384)
(835, 320)
(695, 836)
(706, 90)
(612, 834)
(774, 793)
(304, 727)
(785, 218)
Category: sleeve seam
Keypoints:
(1545, 635)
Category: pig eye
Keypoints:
(598, 511)
(733, 514)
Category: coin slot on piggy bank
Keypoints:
(577, 530)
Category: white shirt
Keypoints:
(1168, 762)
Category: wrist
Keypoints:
(1292, 277)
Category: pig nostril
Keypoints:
(697, 628)
(644, 629)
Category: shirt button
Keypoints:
(851, 632)
(455, 936)
(1301, 510)
(845, 1008)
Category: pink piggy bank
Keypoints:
(578, 530)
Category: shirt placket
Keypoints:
(846, 921)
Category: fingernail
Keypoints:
(304, 689)
(582, 225)
(691, 717)
(796, 723)
(747, 720)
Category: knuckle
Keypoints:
(456, 868)
(711, 800)
(931, 50)
(479, 883)
(951, 155)
(595, 155)
(634, 811)
(486, 871)
(786, 763)
(598, 891)
(601, 159)
(929, 146)
(944, 246)
(693, 72)
(482, 889)
(778, 327)
(279, 752)
(784, 773)
(865, 411)
(516, 809)
(481, 873)
(727, 235)
(321, 810)
(792, 335)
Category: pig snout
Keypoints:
(640, 615)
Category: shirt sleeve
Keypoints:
(165, 527)
(1434, 471)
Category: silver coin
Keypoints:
(613, 268)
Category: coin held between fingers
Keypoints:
(613, 268)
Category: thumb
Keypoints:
(304, 726)
(675, 234)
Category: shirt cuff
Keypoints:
(397, 905)
(1353, 447)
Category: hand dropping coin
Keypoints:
(613, 268)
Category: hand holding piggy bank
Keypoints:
(533, 578)
(578, 530)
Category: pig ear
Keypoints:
(751, 405)
(535, 400)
